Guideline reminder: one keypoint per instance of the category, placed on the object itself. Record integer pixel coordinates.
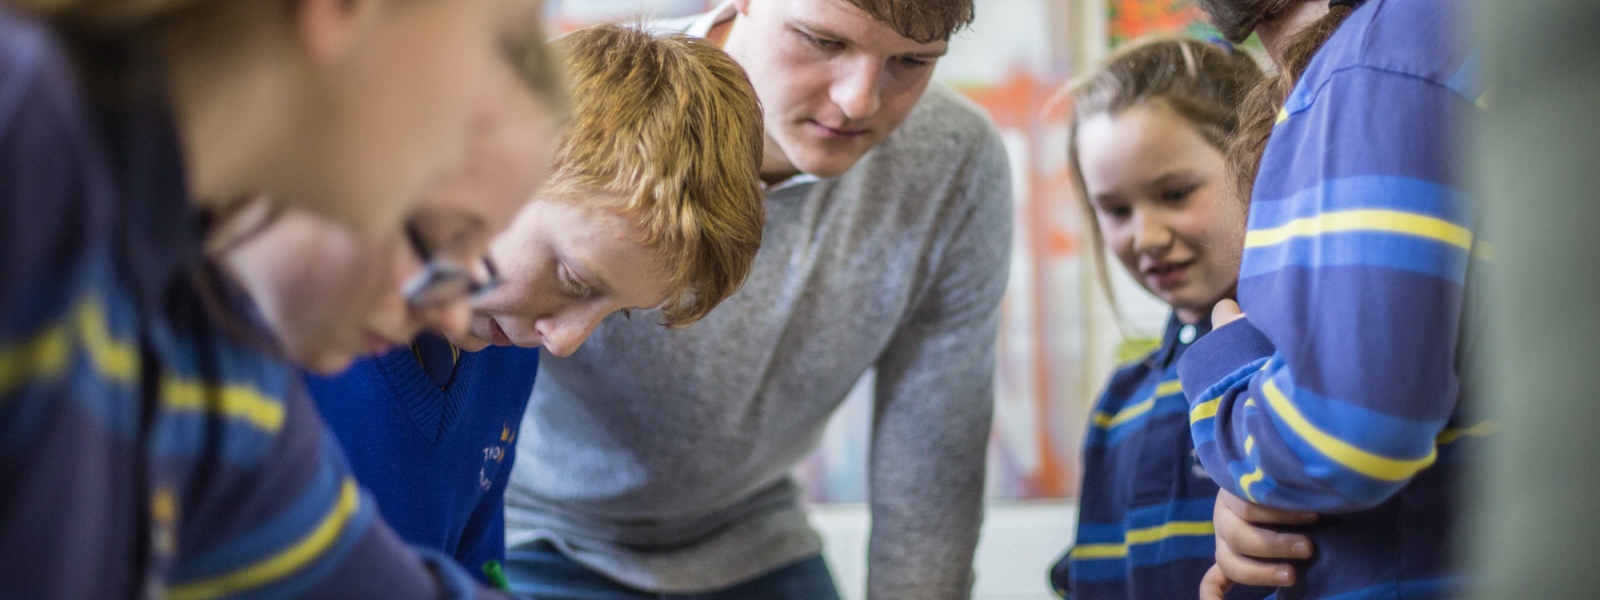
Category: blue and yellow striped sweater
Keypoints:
(1339, 392)
(1144, 511)
(144, 452)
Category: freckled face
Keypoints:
(565, 268)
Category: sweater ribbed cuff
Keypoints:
(1220, 354)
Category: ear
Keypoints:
(329, 29)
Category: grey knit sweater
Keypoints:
(662, 458)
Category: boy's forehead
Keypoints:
(841, 19)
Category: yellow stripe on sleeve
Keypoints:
(230, 401)
(1386, 221)
(49, 353)
(1247, 480)
(112, 358)
(1366, 463)
(285, 563)
(1204, 410)
(44, 356)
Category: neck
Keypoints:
(1278, 33)
(728, 35)
(1188, 316)
(774, 166)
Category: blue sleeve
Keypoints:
(1332, 394)
(68, 359)
(54, 185)
(297, 525)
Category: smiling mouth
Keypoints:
(1165, 268)
(1167, 274)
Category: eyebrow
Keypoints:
(1182, 174)
(1104, 197)
(823, 32)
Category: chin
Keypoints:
(476, 337)
(327, 364)
(469, 343)
(827, 167)
(822, 161)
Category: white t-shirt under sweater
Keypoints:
(662, 458)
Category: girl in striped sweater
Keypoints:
(1147, 151)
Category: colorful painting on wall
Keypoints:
(1132, 19)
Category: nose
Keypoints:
(1151, 234)
(857, 91)
(563, 334)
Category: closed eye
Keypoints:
(1179, 194)
(912, 62)
(572, 286)
(1115, 212)
(821, 43)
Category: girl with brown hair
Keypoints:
(1148, 130)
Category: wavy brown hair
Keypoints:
(1259, 114)
(1236, 19)
(921, 20)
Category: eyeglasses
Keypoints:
(442, 280)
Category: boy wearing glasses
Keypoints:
(641, 211)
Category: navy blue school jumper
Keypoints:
(1144, 513)
(436, 459)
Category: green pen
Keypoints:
(496, 575)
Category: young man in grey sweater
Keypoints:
(656, 463)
